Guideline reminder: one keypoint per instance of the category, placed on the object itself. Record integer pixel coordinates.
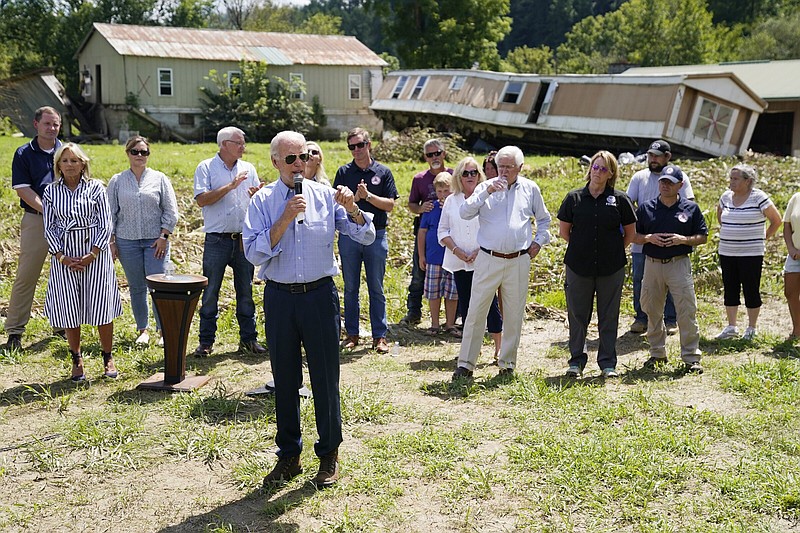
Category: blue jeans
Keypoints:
(417, 285)
(374, 259)
(219, 251)
(637, 264)
(138, 260)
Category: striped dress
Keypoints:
(74, 221)
(742, 228)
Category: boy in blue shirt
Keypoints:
(439, 282)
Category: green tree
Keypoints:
(322, 24)
(529, 60)
(261, 105)
(446, 33)
(674, 32)
(772, 38)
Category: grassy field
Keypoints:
(650, 452)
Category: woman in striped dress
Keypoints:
(144, 212)
(742, 213)
(83, 287)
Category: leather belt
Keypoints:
(31, 210)
(299, 288)
(512, 255)
(234, 236)
(665, 261)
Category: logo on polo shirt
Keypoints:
(611, 200)
(683, 217)
(376, 180)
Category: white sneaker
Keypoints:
(143, 338)
(749, 333)
(729, 332)
(610, 373)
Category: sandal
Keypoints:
(77, 363)
(107, 359)
(454, 331)
(432, 331)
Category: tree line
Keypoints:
(538, 36)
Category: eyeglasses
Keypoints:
(472, 173)
(134, 151)
(361, 144)
(437, 153)
(598, 167)
(237, 143)
(314, 152)
(291, 158)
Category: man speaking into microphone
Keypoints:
(297, 263)
(375, 192)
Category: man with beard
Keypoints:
(642, 189)
(420, 200)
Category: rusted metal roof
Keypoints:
(232, 45)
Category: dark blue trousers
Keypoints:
(312, 320)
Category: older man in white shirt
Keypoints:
(505, 206)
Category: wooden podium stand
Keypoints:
(175, 299)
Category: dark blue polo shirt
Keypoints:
(380, 182)
(683, 217)
(33, 167)
(596, 244)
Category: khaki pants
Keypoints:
(675, 277)
(490, 273)
(32, 254)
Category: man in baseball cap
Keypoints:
(643, 188)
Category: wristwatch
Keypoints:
(165, 236)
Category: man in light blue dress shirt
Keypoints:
(505, 206)
(223, 186)
(296, 261)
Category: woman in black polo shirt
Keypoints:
(598, 222)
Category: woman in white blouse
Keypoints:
(460, 239)
(743, 212)
(144, 212)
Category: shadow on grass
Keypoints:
(257, 511)
(34, 392)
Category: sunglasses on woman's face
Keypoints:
(472, 173)
(134, 151)
(291, 158)
(598, 167)
(313, 152)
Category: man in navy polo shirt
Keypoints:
(669, 227)
(375, 192)
(31, 172)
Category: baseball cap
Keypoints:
(672, 173)
(659, 148)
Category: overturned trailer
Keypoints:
(699, 114)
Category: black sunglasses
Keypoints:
(437, 153)
(472, 173)
(313, 152)
(291, 158)
(362, 144)
(134, 151)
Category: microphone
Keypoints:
(298, 189)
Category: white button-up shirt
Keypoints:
(505, 216)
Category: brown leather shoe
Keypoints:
(350, 342)
(285, 469)
(380, 345)
(328, 473)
